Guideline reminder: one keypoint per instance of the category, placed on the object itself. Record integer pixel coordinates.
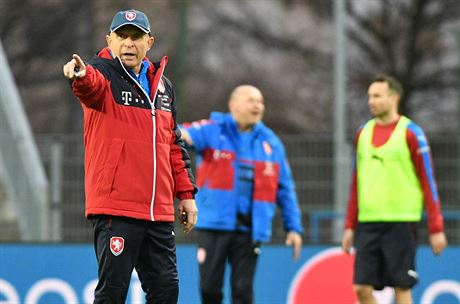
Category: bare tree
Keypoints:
(282, 47)
(409, 39)
(38, 36)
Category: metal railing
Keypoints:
(310, 157)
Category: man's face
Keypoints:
(382, 102)
(247, 106)
(131, 45)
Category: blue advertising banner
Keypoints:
(47, 274)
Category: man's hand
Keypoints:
(189, 207)
(186, 136)
(75, 68)
(294, 239)
(347, 240)
(438, 242)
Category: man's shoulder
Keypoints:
(167, 81)
(102, 58)
(361, 127)
(104, 65)
(414, 127)
(97, 60)
(364, 124)
(416, 134)
(269, 135)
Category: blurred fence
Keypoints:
(311, 160)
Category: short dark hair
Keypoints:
(393, 84)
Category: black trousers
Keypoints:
(215, 249)
(122, 244)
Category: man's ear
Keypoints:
(151, 42)
(231, 105)
(108, 38)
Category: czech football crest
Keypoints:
(267, 148)
(130, 15)
(117, 244)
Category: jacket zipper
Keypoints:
(154, 132)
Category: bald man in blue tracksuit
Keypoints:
(242, 175)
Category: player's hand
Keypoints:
(294, 239)
(187, 209)
(75, 68)
(438, 242)
(347, 240)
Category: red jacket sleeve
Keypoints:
(90, 90)
(351, 217)
(423, 163)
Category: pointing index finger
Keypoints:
(78, 60)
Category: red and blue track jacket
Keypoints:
(224, 170)
(135, 160)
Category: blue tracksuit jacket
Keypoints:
(228, 164)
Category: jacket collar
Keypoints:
(228, 120)
(106, 53)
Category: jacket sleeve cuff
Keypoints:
(436, 228)
(185, 195)
(297, 228)
(350, 223)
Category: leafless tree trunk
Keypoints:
(406, 39)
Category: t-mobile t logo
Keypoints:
(126, 97)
